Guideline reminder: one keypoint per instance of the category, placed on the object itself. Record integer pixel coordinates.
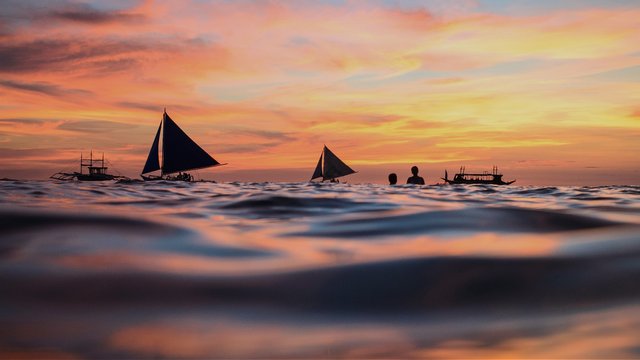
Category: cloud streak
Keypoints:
(43, 88)
(87, 15)
(94, 126)
(61, 54)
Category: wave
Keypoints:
(46, 233)
(287, 206)
(482, 219)
(421, 285)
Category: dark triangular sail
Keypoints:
(179, 152)
(153, 162)
(317, 173)
(333, 166)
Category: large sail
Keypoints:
(179, 152)
(317, 173)
(333, 166)
(153, 163)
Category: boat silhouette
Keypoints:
(330, 167)
(179, 153)
(493, 178)
(96, 171)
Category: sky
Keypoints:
(549, 91)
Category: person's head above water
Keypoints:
(393, 179)
(415, 179)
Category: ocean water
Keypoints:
(297, 270)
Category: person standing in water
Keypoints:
(415, 179)
(393, 179)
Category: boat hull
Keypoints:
(103, 177)
(76, 176)
(166, 178)
(151, 178)
(477, 182)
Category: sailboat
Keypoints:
(179, 154)
(330, 167)
(96, 171)
(493, 178)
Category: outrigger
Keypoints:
(493, 178)
(96, 171)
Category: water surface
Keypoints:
(290, 270)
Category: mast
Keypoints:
(164, 113)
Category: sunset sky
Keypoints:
(547, 90)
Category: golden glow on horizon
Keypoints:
(263, 85)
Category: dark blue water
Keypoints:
(288, 270)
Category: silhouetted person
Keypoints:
(393, 179)
(184, 176)
(415, 179)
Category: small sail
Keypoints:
(179, 152)
(153, 162)
(333, 166)
(318, 171)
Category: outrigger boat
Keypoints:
(94, 171)
(330, 167)
(493, 178)
(179, 154)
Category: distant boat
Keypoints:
(179, 153)
(330, 167)
(493, 178)
(96, 171)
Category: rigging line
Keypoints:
(107, 162)
(113, 168)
